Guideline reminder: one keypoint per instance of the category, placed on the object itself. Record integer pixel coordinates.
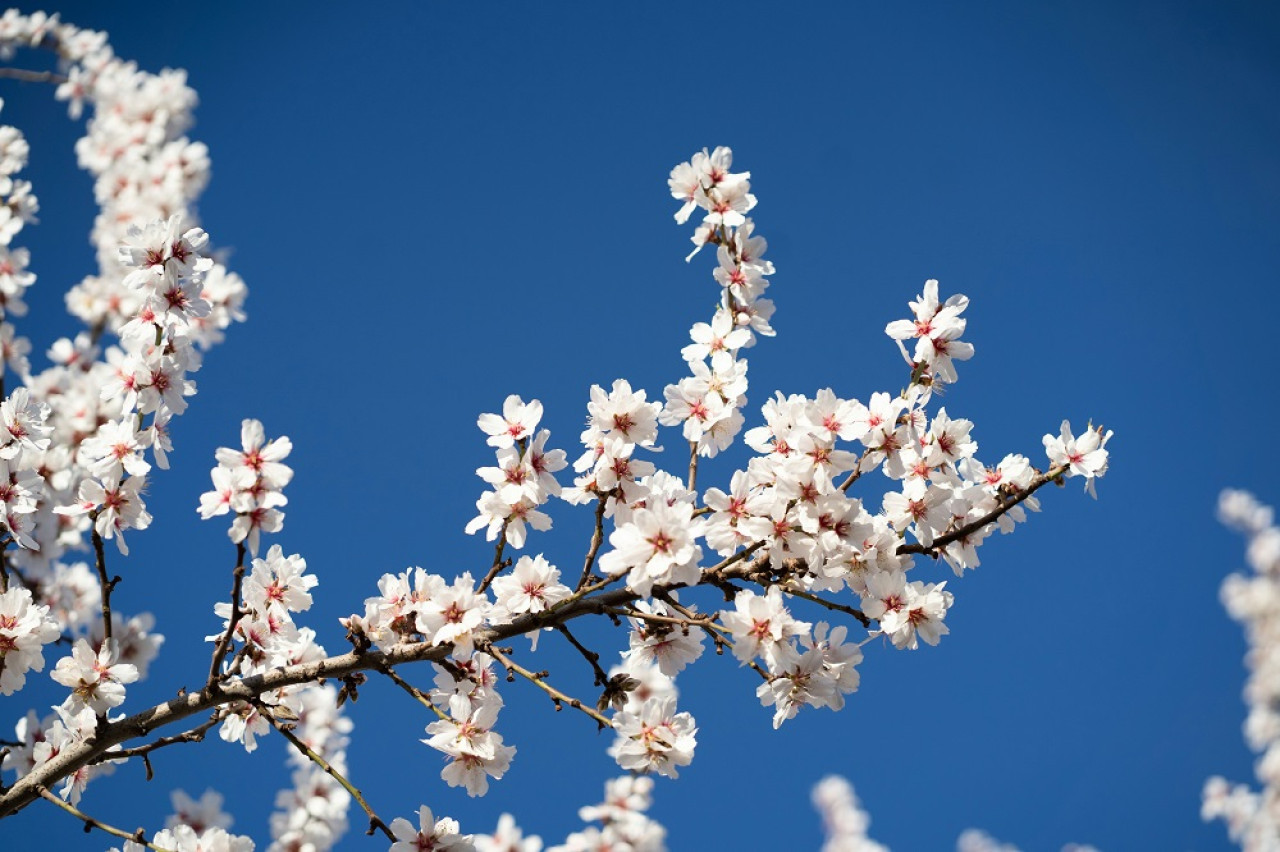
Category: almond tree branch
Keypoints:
(1052, 475)
(33, 76)
(100, 561)
(597, 538)
(538, 679)
(237, 579)
(138, 836)
(375, 823)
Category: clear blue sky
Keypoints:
(436, 205)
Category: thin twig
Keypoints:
(237, 580)
(194, 735)
(693, 466)
(942, 541)
(591, 656)
(832, 605)
(597, 538)
(414, 691)
(138, 836)
(100, 560)
(33, 76)
(856, 473)
(538, 679)
(497, 558)
(375, 822)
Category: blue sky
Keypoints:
(437, 205)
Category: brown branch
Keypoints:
(857, 471)
(497, 558)
(194, 735)
(832, 605)
(597, 539)
(237, 581)
(375, 823)
(1052, 475)
(138, 836)
(538, 679)
(79, 754)
(33, 76)
(100, 560)
(418, 694)
(693, 466)
(591, 656)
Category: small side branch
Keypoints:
(375, 822)
(33, 76)
(538, 679)
(497, 558)
(1052, 475)
(831, 605)
(597, 538)
(108, 585)
(693, 466)
(194, 735)
(590, 656)
(420, 696)
(237, 581)
(90, 823)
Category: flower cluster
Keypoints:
(524, 477)
(250, 482)
(1253, 818)
(707, 405)
(195, 826)
(623, 821)
(843, 819)
(82, 435)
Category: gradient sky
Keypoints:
(436, 205)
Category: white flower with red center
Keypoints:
(477, 752)
(24, 422)
(1084, 456)
(499, 516)
(25, 628)
(279, 584)
(119, 507)
(762, 626)
(620, 413)
(516, 423)
(907, 610)
(431, 836)
(922, 506)
(542, 465)
(947, 440)
(721, 336)
(657, 547)
(727, 203)
(667, 645)
(654, 739)
(452, 614)
(259, 458)
(114, 450)
(690, 404)
(532, 586)
(737, 518)
(162, 252)
(96, 680)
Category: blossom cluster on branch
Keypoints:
(745, 565)
(1253, 818)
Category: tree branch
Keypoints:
(138, 836)
(375, 822)
(538, 679)
(33, 76)
(1052, 475)
(237, 580)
